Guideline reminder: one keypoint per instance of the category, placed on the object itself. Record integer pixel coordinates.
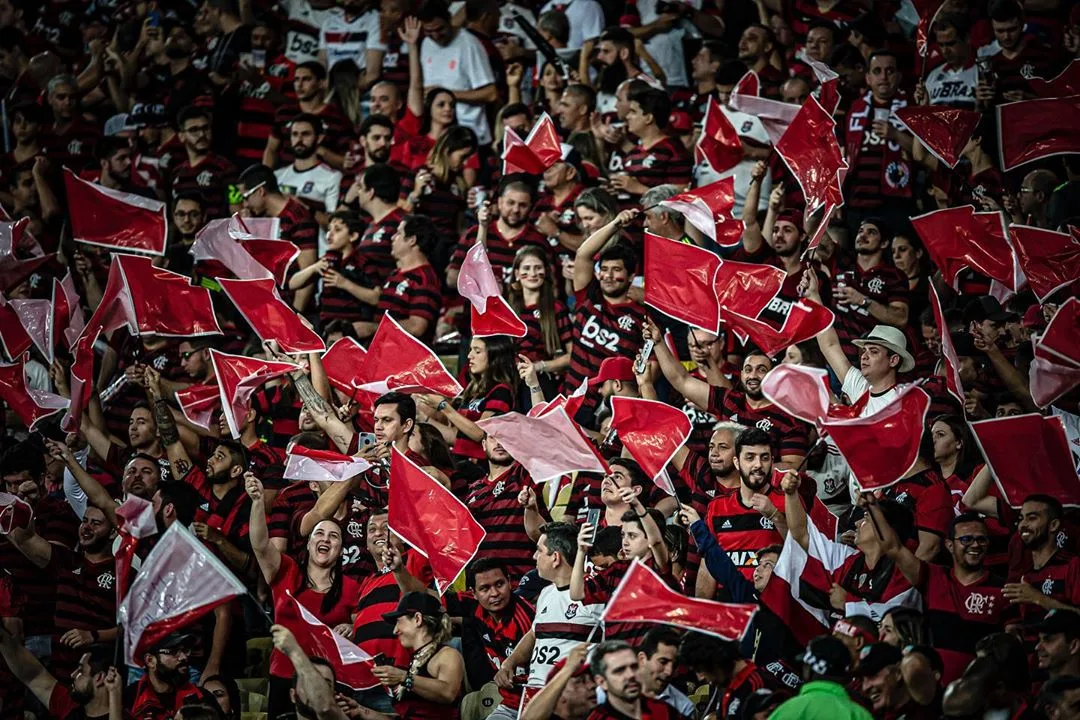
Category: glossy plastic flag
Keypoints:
(800, 391)
(162, 302)
(959, 237)
(431, 519)
(948, 350)
(238, 377)
(1050, 260)
(1030, 130)
(805, 320)
(775, 116)
(719, 142)
(13, 335)
(14, 272)
(179, 582)
(245, 253)
(352, 666)
(709, 209)
(113, 219)
(680, 282)
(812, 153)
(828, 90)
(198, 404)
(942, 129)
(749, 84)
(548, 446)
(308, 465)
(135, 520)
(746, 288)
(1049, 380)
(36, 317)
(652, 432)
(491, 315)
(30, 405)
(343, 363)
(643, 597)
(398, 361)
(271, 317)
(14, 513)
(68, 317)
(1061, 339)
(1029, 454)
(1064, 84)
(536, 153)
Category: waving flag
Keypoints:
(652, 432)
(1064, 84)
(491, 315)
(959, 237)
(431, 519)
(179, 582)
(948, 350)
(198, 403)
(14, 513)
(36, 317)
(163, 303)
(1030, 130)
(643, 597)
(1045, 465)
(539, 151)
(248, 256)
(1050, 260)
(719, 142)
(709, 210)
(749, 84)
(812, 153)
(114, 219)
(135, 520)
(30, 405)
(69, 318)
(1049, 380)
(548, 446)
(271, 317)
(307, 464)
(1061, 339)
(746, 288)
(352, 666)
(828, 91)
(680, 282)
(238, 377)
(344, 363)
(13, 335)
(805, 320)
(398, 361)
(775, 116)
(944, 130)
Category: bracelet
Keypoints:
(533, 389)
(442, 405)
(407, 683)
(543, 366)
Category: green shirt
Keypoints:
(821, 700)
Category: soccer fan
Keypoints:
(201, 170)
(307, 178)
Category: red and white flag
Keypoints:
(198, 404)
(719, 142)
(800, 391)
(431, 519)
(1064, 84)
(13, 335)
(1061, 339)
(948, 350)
(709, 210)
(113, 219)
(179, 582)
(1030, 130)
(1048, 381)
(491, 314)
(1029, 454)
(1050, 260)
(680, 281)
(68, 317)
(135, 520)
(944, 130)
(310, 465)
(271, 317)
(352, 666)
(30, 405)
(36, 317)
(812, 153)
(14, 513)
(746, 288)
(160, 302)
(246, 255)
(959, 238)
(398, 361)
(652, 432)
(828, 90)
(749, 84)
(775, 116)
(14, 272)
(238, 377)
(643, 597)
(548, 446)
(805, 320)
(536, 153)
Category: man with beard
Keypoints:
(307, 178)
(553, 212)
(615, 667)
(616, 62)
(506, 233)
(188, 217)
(607, 321)
(92, 681)
(85, 586)
(309, 83)
(166, 686)
(1043, 577)
(755, 48)
(963, 603)
(201, 170)
(114, 160)
(70, 141)
(952, 83)
(171, 78)
(374, 140)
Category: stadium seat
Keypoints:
(479, 704)
(258, 657)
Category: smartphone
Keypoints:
(593, 518)
(643, 360)
(154, 18)
(367, 440)
(381, 660)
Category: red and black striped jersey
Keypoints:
(493, 502)
(599, 588)
(532, 345)
(650, 710)
(442, 202)
(356, 561)
(297, 498)
(1035, 60)
(268, 463)
(665, 162)
(1058, 579)
(298, 225)
(211, 177)
(499, 400)
(567, 219)
(279, 410)
(229, 513)
(741, 530)
(379, 594)
(336, 303)
(789, 435)
(928, 498)
(373, 251)
(500, 635)
(395, 63)
(743, 684)
(882, 283)
(337, 128)
(500, 249)
(85, 600)
(255, 118)
(804, 13)
(72, 148)
(413, 293)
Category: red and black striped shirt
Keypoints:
(268, 463)
(295, 499)
(600, 587)
(501, 250)
(532, 345)
(85, 600)
(379, 594)
(373, 251)
(665, 162)
(789, 436)
(336, 303)
(255, 118)
(442, 202)
(210, 177)
(928, 498)
(882, 283)
(413, 293)
(336, 127)
(298, 225)
(742, 530)
(493, 502)
(500, 635)
(229, 513)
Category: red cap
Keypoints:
(580, 672)
(793, 217)
(680, 122)
(614, 368)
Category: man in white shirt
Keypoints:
(454, 58)
(305, 20)
(953, 82)
(346, 33)
(663, 36)
(311, 181)
(586, 19)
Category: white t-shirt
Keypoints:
(586, 19)
(318, 187)
(749, 127)
(302, 40)
(461, 65)
(952, 86)
(345, 39)
(666, 48)
(855, 386)
(554, 612)
(509, 26)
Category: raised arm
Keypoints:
(179, 460)
(410, 35)
(715, 560)
(828, 341)
(977, 497)
(909, 565)
(26, 667)
(691, 388)
(653, 534)
(577, 574)
(312, 687)
(35, 548)
(95, 493)
(794, 512)
(583, 259)
(266, 554)
(328, 502)
(753, 238)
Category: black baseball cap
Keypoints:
(174, 641)
(1060, 621)
(827, 656)
(875, 658)
(414, 602)
(987, 308)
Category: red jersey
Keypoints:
(298, 225)
(372, 253)
(532, 345)
(882, 283)
(742, 530)
(85, 600)
(297, 498)
(336, 127)
(379, 594)
(789, 436)
(928, 498)
(650, 710)
(493, 502)
(501, 250)
(666, 162)
(211, 177)
(416, 292)
(498, 400)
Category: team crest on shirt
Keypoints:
(308, 187)
(402, 287)
(875, 285)
(764, 424)
(571, 611)
(354, 529)
(498, 489)
(75, 147)
(902, 498)
(626, 323)
(378, 236)
(649, 161)
(159, 362)
(536, 313)
(979, 604)
(898, 175)
(204, 178)
(766, 523)
(105, 580)
(1048, 587)
(1027, 71)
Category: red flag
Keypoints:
(651, 431)
(746, 288)
(1048, 380)
(775, 116)
(539, 151)
(135, 520)
(179, 582)
(1045, 464)
(398, 361)
(431, 519)
(308, 464)
(238, 377)
(959, 237)
(749, 84)
(476, 282)
(828, 91)
(226, 241)
(198, 403)
(709, 210)
(643, 597)
(1061, 339)
(271, 317)
(352, 666)
(1050, 260)
(806, 319)
(799, 390)
(1034, 129)
(32, 406)
(114, 219)
(948, 350)
(36, 317)
(680, 282)
(344, 363)
(164, 303)
(1065, 83)
(944, 130)
(927, 11)
(71, 322)
(13, 335)
(810, 150)
(548, 446)
(14, 513)
(719, 142)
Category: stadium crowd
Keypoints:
(381, 169)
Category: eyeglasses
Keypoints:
(187, 355)
(966, 540)
(178, 652)
(252, 191)
(1026, 190)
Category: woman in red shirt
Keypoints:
(549, 337)
(315, 580)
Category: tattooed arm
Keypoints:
(322, 412)
(179, 460)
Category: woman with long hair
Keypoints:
(226, 693)
(314, 579)
(430, 688)
(551, 85)
(544, 352)
(910, 257)
(492, 390)
(902, 626)
(441, 185)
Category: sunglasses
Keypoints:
(966, 540)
